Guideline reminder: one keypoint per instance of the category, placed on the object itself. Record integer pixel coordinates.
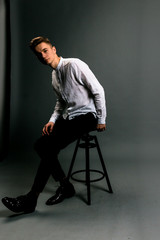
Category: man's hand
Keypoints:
(48, 128)
(101, 127)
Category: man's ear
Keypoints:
(54, 49)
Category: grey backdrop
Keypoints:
(119, 39)
(120, 42)
(4, 77)
(2, 72)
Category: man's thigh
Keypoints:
(67, 131)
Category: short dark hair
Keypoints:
(37, 40)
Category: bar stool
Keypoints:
(86, 142)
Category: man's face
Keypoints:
(46, 53)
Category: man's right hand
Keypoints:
(48, 128)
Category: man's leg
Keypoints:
(73, 129)
(48, 150)
(48, 147)
(64, 133)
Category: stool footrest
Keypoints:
(91, 180)
(87, 145)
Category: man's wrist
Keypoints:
(101, 121)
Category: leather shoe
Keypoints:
(61, 193)
(23, 203)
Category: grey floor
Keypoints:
(132, 212)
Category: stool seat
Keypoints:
(87, 142)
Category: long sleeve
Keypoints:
(58, 110)
(87, 77)
(78, 91)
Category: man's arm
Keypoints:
(83, 72)
(58, 110)
(48, 127)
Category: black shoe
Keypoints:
(20, 204)
(61, 193)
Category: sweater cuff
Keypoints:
(101, 121)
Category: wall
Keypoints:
(4, 77)
(120, 42)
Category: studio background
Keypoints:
(119, 40)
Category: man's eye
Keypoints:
(45, 51)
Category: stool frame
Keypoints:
(89, 141)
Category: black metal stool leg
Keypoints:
(88, 172)
(103, 165)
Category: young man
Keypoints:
(80, 108)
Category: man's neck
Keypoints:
(55, 63)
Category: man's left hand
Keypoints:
(101, 127)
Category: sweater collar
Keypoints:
(59, 64)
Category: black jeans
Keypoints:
(65, 131)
